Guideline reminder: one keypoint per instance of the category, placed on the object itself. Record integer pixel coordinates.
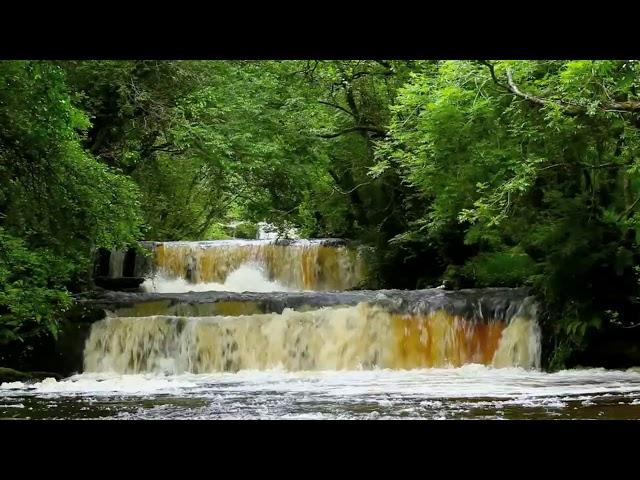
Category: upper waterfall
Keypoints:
(254, 266)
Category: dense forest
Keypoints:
(472, 173)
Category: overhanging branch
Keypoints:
(629, 106)
(492, 71)
(513, 88)
(339, 107)
(357, 128)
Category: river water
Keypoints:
(316, 355)
(468, 392)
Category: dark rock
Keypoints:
(612, 347)
(11, 375)
(479, 304)
(46, 356)
(119, 284)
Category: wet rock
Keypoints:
(120, 283)
(11, 375)
(478, 304)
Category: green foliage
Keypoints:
(544, 192)
(57, 203)
(52, 192)
(33, 297)
(286, 142)
(219, 231)
(244, 230)
(511, 268)
(504, 173)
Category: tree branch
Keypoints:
(307, 70)
(337, 189)
(628, 210)
(602, 165)
(630, 106)
(357, 128)
(164, 148)
(551, 166)
(513, 88)
(336, 106)
(492, 71)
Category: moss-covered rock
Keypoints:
(11, 375)
(42, 375)
(46, 356)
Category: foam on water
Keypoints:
(469, 381)
(296, 265)
(338, 338)
(247, 278)
(471, 391)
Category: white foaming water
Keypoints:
(471, 391)
(248, 278)
(469, 381)
(338, 338)
(267, 231)
(301, 264)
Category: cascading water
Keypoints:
(221, 332)
(338, 338)
(247, 277)
(318, 331)
(116, 263)
(264, 265)
(272, 329)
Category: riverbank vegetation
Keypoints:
(473, 173)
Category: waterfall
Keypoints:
(425, 329)
(298, 311)
(116, 263)
(263, 265)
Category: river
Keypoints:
(302, 347)
(468, 392)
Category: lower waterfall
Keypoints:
(332, 338)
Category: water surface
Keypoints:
(468, 392)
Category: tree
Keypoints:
(57, 203)
(537, 162)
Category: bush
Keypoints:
(244, 230)
(510, 268)
(33, 297)
(219, 231)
